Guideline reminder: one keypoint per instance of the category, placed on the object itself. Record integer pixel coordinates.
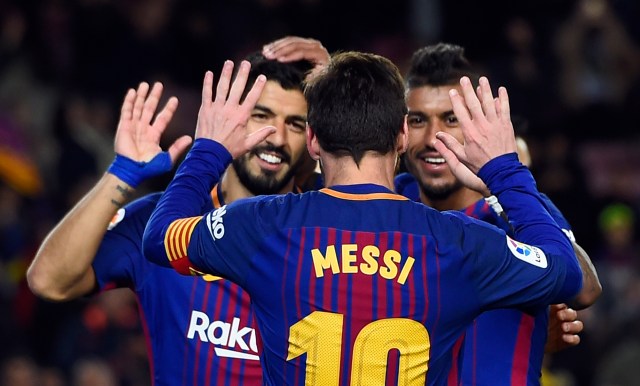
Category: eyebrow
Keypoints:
(268, 111)
(423, 115)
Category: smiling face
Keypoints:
(431, 111)
(269, 168)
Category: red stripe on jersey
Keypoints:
(217, 312)
(398, 299)
(284, 297)
(199, 342)
(192, 300)
(522, 350)
(453, 378)
(410, 280)
(300, 258)
(382, 282)
(327, 282)
(425, 283)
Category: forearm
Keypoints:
(591, 287)
(61, 269)
(186, 195)
(532, 224)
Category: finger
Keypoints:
(141, 95)
(572, 340)
(449, 148)
(470, 98)
(178, 147)
(166, 114)
(488, 105)
(254, 94)
(127, 105)
(505, 110)
(567, 315)
(574, 327)
(223, 83)
(151, 103)
(207, 87)
(460, 108)
(258, 136)
(237, 87)
(276, 47)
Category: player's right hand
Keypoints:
(293, 48)
(137, 138)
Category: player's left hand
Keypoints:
(224, 119)
(563, 328)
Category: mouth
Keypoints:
(271, 159)
(434, 160)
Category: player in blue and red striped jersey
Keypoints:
(502, 347)
(200, 330)
(354, 284)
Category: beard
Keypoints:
(441, 192)
(266, 182)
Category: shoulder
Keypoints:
(406, 185)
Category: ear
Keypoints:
(403, 137)
(312, 143)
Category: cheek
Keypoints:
(297, 144)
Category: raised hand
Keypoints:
(224, 119)
(137, 137)
(486, 126)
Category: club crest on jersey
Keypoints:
(527, 253)
(214, 222)
(115, 220)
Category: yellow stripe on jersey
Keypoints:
(178, 236)
(363, 197)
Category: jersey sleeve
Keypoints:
(539, 251)
(179, 210)
(508, 273)
(119, 261)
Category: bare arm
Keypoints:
(61, 269)
(591, 287)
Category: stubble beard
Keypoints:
(266, 182)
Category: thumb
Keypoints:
(178, 147)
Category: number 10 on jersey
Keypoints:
(319, 335)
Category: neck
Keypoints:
(373, 169)
(459, 199)
(232, 189)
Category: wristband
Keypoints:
(134, 172)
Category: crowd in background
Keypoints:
(572, 68)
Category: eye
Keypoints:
(297, 126)
(259, 117)
(451, 120)
(416, 122)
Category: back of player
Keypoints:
(355, 284)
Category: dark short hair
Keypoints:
(438, 65)
(290, 75)
(356, 104)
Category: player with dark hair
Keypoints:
(201, 330)
(354, 284)
(505, 346)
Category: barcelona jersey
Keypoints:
(358, 285)
(503, 346)
(200, 330)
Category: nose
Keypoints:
(430, 132)
(279, 137)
